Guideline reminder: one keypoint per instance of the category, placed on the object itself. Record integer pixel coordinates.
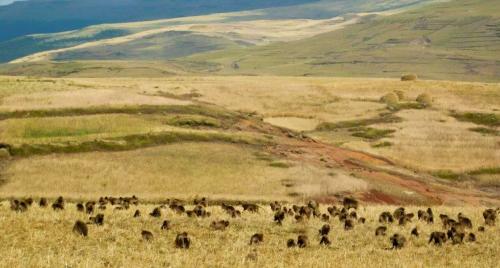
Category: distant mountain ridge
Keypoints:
(270, 10)
(49, 16)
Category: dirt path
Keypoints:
(373, 169)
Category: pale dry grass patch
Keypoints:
(43, 238)
(82, 98)
(294, 123)
(430, 140)
(182, 169)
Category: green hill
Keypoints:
(271, 10)
(456, 40)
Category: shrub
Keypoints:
(400, 94)
(390, 99)
(425, 99)
(409, 77)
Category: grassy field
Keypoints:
(185, 169)
(449, 40)
(441, 139)
(118, 242)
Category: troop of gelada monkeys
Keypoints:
(454, 230)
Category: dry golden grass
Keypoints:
(429, 140)
(294, 123)
(220, 170)
(426, 139)
(43, 238)
(82, 98)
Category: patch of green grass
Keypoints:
(383, 118)
(206, 110)
(484, 130)
(66, 132)
(408, 105)
(132, 142)
(486, 119)
(263, 156)
(447, 174)
(193, 121)
(483, 171)
(451, 175)
(382, 144)
(279, 164)
(371, 133)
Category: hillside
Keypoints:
(455, 40)
(48, 16)
(452, 40)
(286, 17)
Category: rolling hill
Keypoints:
(48, 16)
(445, 40)
(456, 40)
(284, 17)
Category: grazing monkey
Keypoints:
(58, 204)
(80, 228)
(471, 237)
(98, 219)
(464, 221)
(325, 230)
(279, 216)
(155, 213)
(385, 217)
(80, 207)
(414, 232)
(302, 241)
(438, 238)
(349, 203)
(43, 202)
(137, 213)
(165, 225)
(348, 225)
(182, 241)
(147, 235)
(256, 239)
(380, 231)
(219, 225)
(398, 241)
(325, 241)
(89, 207)
(250, 208)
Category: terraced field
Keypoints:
(233, 138)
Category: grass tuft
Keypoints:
(382, 144)
(487, 119)
(486, 131)
(383, 118)
(371, 133)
